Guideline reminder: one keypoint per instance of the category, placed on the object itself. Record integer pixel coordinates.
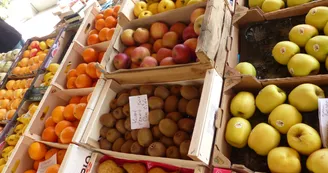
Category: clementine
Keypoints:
(71, 83)
(52, 169)
(108, 12)
(110, 22)
(100, 24)
(61, 126)
(80, 69)
(79, 110)
(90, 55)
(49, 122)
(103, 33)
(75, 100)
(60, 156)
(67, 134)
(57, 114)
(110, 34)
(50, 153)
(84, 99)
(49, 134)
(91, 70)
(93, 39)
(71, 73)
(83, 81)
(68, 112)
(37, 151)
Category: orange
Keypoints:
(52, 169)
(100, 24)
(60, 156)
(117, 8)
(93, 39)
(30, 171)
(37, 151)
(98, 73)
(10, 114)
(108, 12)
(110, 22)
(83, 81)
(89, 96)
(10, 84)
(79, 110)
(75, 100)
(36, 164)
(84, 99)
(16, 71)
(71, 73)
(68, 112)
(49, 122)
(100, 56)
(49, 134)
(50, 153)
(76, 123)
(99, 16)
(42, 56)
(71, 83)
(57, 114)
(103, 33)
(26, 54)
(90, 55)
(93, 31)
(61, 126)
(91, 70)
(80, 69)
(110, 34)
(67, 134)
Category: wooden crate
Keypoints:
(203, 133)
(214, 38)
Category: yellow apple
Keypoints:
(139, 7)
(145, 14)
(269, 98)
(301, 34)
(179, 3)
(284, 159)
(317, 47)
(43, 45)
(246, 68)
(303, 65)
(153, 8)
(198, 24)
(317, 17)
(194, 2)
(272, 5)
(165, 5)
(284, 50)
(243, 105)
(237, 132)
(317, 161)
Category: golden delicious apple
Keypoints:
(283, 117)
(153, 8)
(144, 14)
(317, 161)
(303, 65)
(43, 45)
(303, 138)
(284, 159)
(246, 68)
(237, 132)
(301, 34)
(165, 5)
(305, 97)
(139, 7)
(317, 17)
(317, 47)
(291, 3)
(269, 98)
(325, 30)
(272, 5)
(254, 3)
(284, 50)
(190, 2)
(179, 3)
(243, 105)
(263, 138)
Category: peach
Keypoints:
(163, 53)
(138, 54)
(127, 37)
(170, 39)
(181, 54)
(191, 43)
(189, 32)
(35, 45)
(148, 46)
(157, 45)
(121, 61)
(167, 61)
(178, 28)
(149, 62)
(129, 50)
(197, 12)
(141, 35)
(158, 29)
(33, 52)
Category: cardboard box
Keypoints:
(77, 156)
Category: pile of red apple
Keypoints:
(160, 45)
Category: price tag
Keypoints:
(323, 120)
(45, 164)
(139, 112)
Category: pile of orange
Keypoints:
(85, 75)
(39, 152)
(105, 23)
(61, 125)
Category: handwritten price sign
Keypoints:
(139, 112)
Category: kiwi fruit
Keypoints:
(192, 107)
(182, 105)
(168, 127)
(166, 141)
(156, 132)
(157, 149)
(155, 103)
(173, 152)
(184, 148)
(122, 99)
(146, 89)
(175, 90)
(155, 116)
(127, 124)
(180, 136)
(118, 113)
(134, 134)
(175, 116)
(112, 104)
(186, 124)
(108, 120)
(118, 144)
(161, 92)
(112, 135)
(145, 137)
(136, 148)
(171, 104)
(125, 148)
(134, 92)
(189, 92)
(126, 110)
(104, 144)
(103, 131)
(127, 136)
(120, 126)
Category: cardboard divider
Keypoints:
(79, 157)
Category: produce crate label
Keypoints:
(79, 157)
(139, 112)
(45, 164)
(323, 120)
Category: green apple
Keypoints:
(272, 5)
(254, 3)
(317, 47)
(317, 161)
(291, 3)
(263, 138)
(284, 50)
(269, 98)
(301, 34)
(237, 132)
(246, 68)
(303, 138)
(284, 159)
(317, 17)
(303, 65)
(243, 105)
(305, 97)
(283, 117)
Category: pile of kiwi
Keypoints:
(172, 113)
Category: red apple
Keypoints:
(149, 62)
(158, 29)
(170, 39)
(133, 65)
(191, 43)
(35, 44)
(178, 28)
(129, 50)
(197, 12)
(163, 53)
(189, 32)
(33, 52)
(127, 37)
(181, 54)
(121, 61)
(141, 35)
(138, 54)
(167, 61)
(157, 45)
(148, 46)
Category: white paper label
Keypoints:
(139, 112)
(323, 120)
(45, 164)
